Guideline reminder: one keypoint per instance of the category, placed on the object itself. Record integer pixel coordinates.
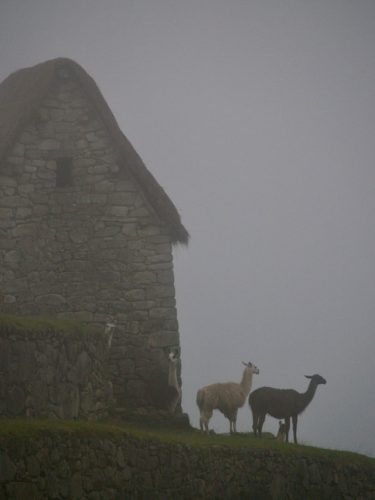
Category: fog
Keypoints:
(257, 117)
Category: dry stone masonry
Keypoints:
(79, 236)
(54, 373)
(113, 466)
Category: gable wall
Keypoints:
(90, 250)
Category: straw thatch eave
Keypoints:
(21, 95)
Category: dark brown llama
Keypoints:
(281, 403)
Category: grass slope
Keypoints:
(23, 428)
(30, 325)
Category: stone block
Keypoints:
(100, 199)
(25, 230)
(21, 490)
(46, 175)
(76, 488)
(16, 286)
(107, 231)
(40, 210)
(6, 213)
(156, 259)
(145, 305)
(18, 149)
(12, 259)
(127, 367)
(163, 339)
(118, 211)
(98, 169)
(104, 186)
(162, 312)
(79, 234)
(9, 299)
(135, 295)
(122, 198)
(165, 277)
(39, 198)
(23, 213)
(50, 299)
(56, 114)
(139, 212)
(32, 466)
(91, 136)
(26, 138)
(13, 201)
(26, 189)
(7, 467)
(49, 144)
(129, 229)
(15, 160)
(144, 277)
(161, 291)
(84, 162)
(82, 144)
(148, 231)
(16, 401)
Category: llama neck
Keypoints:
(307, 396)
(172, 375)
(247, 378)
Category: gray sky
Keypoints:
(258, 119)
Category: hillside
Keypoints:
(66, 459)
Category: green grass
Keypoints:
(24, 428)
(28, 428)
(30, 325)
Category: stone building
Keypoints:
(86, 232)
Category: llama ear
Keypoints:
(308, 376)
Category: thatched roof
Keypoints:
(20, 97)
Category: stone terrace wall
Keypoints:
(54, 374)
(66, 466)
(88, 250)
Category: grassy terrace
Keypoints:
(31, 325)
(136, 427)
(23, 428)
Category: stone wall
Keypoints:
(90, 249)
(52, 373)
(70, 466)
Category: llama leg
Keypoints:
(206, 426)
(260, 424)
(233, 420)
(255, 423)
(257, 426)
(203, 421)
(232, 425)
(207, 416)
(294, 421)
(201, 424)
(287, 427)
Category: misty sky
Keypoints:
(258, 119)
